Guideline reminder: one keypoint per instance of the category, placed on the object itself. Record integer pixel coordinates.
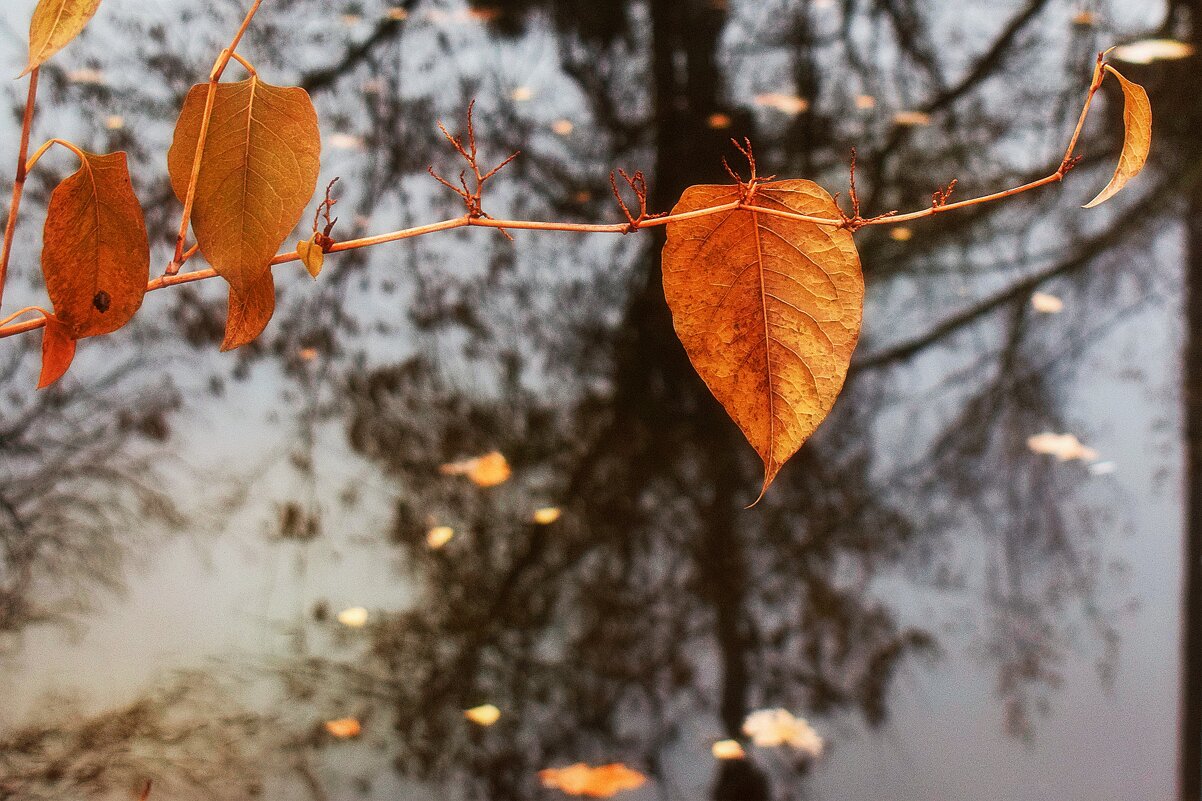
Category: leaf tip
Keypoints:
(58, 351)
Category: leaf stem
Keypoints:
(41, 151)
(10, 227)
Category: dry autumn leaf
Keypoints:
(728, 749)
(58, 351)
(599, 782)
(249, 312)
(54, 24)
(1137, 137)
(770, 728)
(95, 253)
(311, 255)
(1065, 447)
(483, 715)
(488, 470)
(258, 172)
(344, 728)
(767, 308)
(439, 536)
(355, 617)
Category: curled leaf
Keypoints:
(58, 351)
(258, 171)
(768, 309)
(311, 255)
(1137, 137)
(95, 253)
(54, 24)
(249, 312)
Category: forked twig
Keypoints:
(746, 188)
(322, 235)
(471, 196)
(637, 183)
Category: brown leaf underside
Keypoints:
(258, 172)
(767, 308)
(95, 253)
(54, 24)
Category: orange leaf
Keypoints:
(249, 312)
(1137, 137)
(54, 24)
(58, 350)
(767, 308)
(344, 728)
(258, 171)
(489, 470)
(600, 782)
(95, 253)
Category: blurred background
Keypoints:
(205, 558)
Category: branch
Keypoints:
(10, 226)
(475, 217)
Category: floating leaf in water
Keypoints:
(719, 121)
(344, 728)
(595, 782)
(1065, 447)
(787, 104)
(439, 536)
(912, 119)
(1137, 137)
(1145, 51)
(728, 749)
(355, 617)
(483, 715)
(547, 515)
(488, 470)
(1045, 303)
(770, 728)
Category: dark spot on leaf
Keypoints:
(102, 301)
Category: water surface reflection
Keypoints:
(952, 611)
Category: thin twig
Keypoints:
(10, 227)
(746, 188)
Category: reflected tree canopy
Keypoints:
(658, 611)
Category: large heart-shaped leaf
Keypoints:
(768, 308)
(95, 253)
(258, 171)
(54, 24)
